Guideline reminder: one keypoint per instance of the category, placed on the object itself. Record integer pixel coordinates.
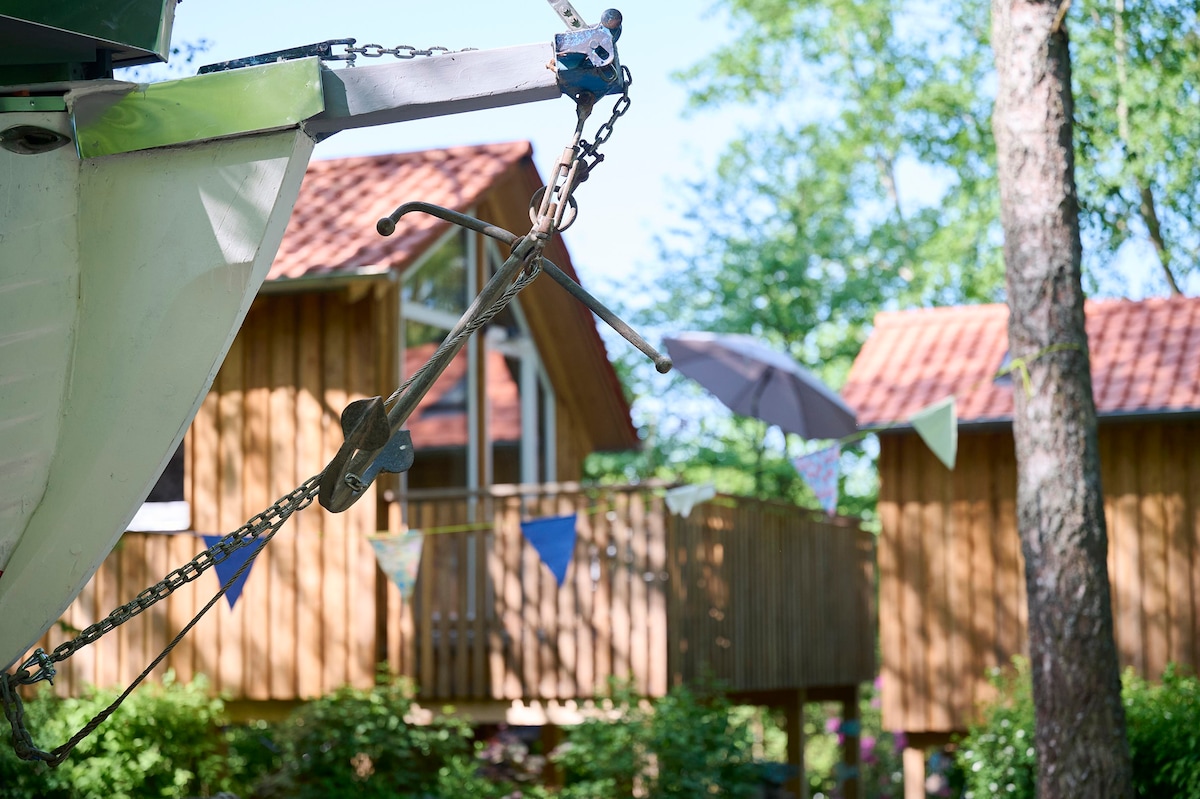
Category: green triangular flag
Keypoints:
(937, 424)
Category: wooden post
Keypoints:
(851, 736)
(914, 772)
(794, 712)
(551, 737)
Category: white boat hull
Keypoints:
(123, 281)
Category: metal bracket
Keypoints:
(322, 50)
(367, 434)
(587, 58)
(567, 13)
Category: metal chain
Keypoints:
(264, 525)
(298, 499)
(604, 132)
(399, 51)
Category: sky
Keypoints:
(654, 149)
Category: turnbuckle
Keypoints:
(45, 669)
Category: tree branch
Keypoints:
(1150, 217)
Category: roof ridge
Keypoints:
(520, 148)
(1145, 355)
(938, 313)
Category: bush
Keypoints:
(173, 741)
(361, 744)
(998, 756)
(686, 744)
(166, 742)
(1162, 722)
(880, 769)
(1164, 734)
(20, 779)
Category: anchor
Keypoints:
(374, 439)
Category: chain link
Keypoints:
(589, 154)
(399, 51)
(298, 499)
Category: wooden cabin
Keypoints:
(773, 599)
(952, 588)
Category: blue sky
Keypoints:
(654, 149)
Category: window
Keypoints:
(165, 509)
(518, 414)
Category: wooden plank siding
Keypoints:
(486, 621)
(952, 585)
(304, 625)
(761, 596)
(764, 597)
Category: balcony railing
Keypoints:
(760, 595)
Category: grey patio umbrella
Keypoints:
(755, 380)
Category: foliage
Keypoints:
(868, 183)
(1163, 726)
(1136, 110)
(175, 741)
(20, 779)
(181, 61)
(998, 756)
(688, 743)
(362, 743)
(167, 743)
(1164, 733)
(880, 768)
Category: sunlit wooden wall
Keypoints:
(952, 586)
(760, 597)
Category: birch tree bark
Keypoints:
(1080, 722)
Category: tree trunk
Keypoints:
(1080, 739)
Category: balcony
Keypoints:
(762, 596)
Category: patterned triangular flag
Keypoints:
(820, 470)
(400, 558)
(554, 540)
(937, 424)
(229, 567)
(681, 499)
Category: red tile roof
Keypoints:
(435, 427)
(332, 228)
(1145, 359)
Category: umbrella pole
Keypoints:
(758, 470)
(762, 445)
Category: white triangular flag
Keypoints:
(820, 470)
(400, 558)
(682, 499)
(937, 425)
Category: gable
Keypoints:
(331, 237)
(1145, 359)
(332, 229)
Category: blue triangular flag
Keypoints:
(228, 567)
(554, 540)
